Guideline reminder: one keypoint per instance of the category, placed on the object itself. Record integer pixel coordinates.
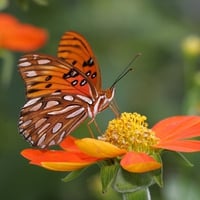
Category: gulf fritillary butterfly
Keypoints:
(61, 91)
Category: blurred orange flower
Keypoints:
(16, 36)
(128, 139)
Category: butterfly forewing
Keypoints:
(44, 75)
(74, 48)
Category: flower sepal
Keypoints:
(158, 174)
(131, 182)
(108, 173)
(73, 175)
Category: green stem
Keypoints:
(7, 67)
(142, 194)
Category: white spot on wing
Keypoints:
(43, 61)
(51, 104)
(43, 128)
(84, 98)
(56, 93)
(68, 98)
(21, 130)
(32, 101)
(66, 109)
(20, 122)
(61, 136)
(52, 142)
(26, 123)
(36, 107)
(41, 140)
(25, 64)
(23, 59)
(26, 134)
(74, 114)
(30, 141)
(35, 56)
(31, 73)
(57, 127)
(40, 122)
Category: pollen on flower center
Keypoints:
(130, 131)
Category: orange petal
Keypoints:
(7, 20)
(139, 162)
(16, 36)
(24, 38)
(64, 166)
(98, 148)
(38, 156)
(68, 144)
(181, 146)
(178, 127)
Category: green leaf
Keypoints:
(130, 182)
(107, 174)
(72, 175)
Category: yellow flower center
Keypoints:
(130, 131)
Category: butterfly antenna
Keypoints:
(127, 69)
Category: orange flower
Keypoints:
(128, 140)
(70, 158)
(16, 36)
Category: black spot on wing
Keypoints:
(94, 75)
(72, 73)
(75, 82)
(48, 85)
(88, 63)
(48, 78)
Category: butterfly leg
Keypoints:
(96, 125)
(89, 128)
(113, 106)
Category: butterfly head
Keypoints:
(106, 98)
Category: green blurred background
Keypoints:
(117, 31)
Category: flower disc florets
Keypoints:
(130, 131)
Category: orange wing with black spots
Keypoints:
(75, 49)
(61, 91)
(45, 74)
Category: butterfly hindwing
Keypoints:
(45, 121)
